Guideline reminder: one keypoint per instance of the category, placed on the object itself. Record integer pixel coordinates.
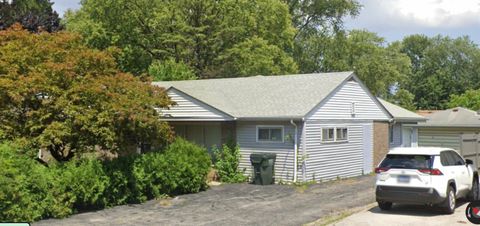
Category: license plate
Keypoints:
(403, 179)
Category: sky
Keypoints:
(395, 19)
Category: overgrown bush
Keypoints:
(23, 187)
(227, 162)
(122, 188)
(30, 191)
(188, 166)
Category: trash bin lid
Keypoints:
(258, 157)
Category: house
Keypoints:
(455, 128)
(402, 131)
(321, 126)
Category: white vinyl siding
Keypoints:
(351, 101)
(247, 140)
(327, 161)
(188, 108)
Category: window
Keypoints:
(407, 161)
(269, 133)
(451, 158)
(336, 134)
(328, 134)
(342, 134)
(457, 160)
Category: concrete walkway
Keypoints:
(407, 215)
(237, 204)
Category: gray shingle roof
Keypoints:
(401, 114)
(287, 96)
(455, 117)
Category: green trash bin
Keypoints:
(263, 168)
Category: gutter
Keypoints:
(295, 150)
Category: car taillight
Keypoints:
(431, 171)
(381, 169)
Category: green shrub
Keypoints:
(30, 191)
(23, 187)
(149, 171)
(227, 161)
(187, 168)
(122, 188)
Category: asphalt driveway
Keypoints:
(237, 204)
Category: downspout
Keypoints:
(295, 150)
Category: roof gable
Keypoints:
(189, 108)
(350, 100)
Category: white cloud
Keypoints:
(437, 13)
(395, 19)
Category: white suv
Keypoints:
(423, 175)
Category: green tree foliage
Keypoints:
(227, 160)
(404, 99)
(199, 33)
(170, 70)
(442, 67)
(57, 94)
(34, 15)
(256, 57)
(363, 52)
(316, 23)
(470, 99)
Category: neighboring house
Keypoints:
(402, 131)
(456, 128)
(325, 121)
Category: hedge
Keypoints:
(30, 191)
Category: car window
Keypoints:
(446, 159)
(458, 161)
(407, 161)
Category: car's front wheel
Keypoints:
(385, 205)
(448, 205)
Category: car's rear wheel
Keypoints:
(385, 205)
(448, 205)
(474, 193)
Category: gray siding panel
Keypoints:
(439, 137)
(327, 161)
(246, 138)
(339, 105)
(188, 107)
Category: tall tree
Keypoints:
(442, 66)
(379, 67)
(200, 33)
(315, 21)
(59, 95)
(33, 15)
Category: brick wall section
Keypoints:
(380, 141)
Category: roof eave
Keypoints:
(270, 118)
(407, 119)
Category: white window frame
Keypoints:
(335, 140)
(323, 135)
(336, 130)
(282, 128)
